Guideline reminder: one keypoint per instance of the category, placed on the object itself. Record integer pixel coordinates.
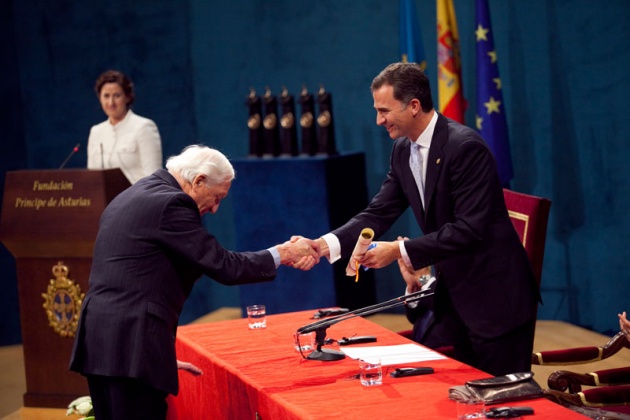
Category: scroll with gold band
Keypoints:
(363, 243)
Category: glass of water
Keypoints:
(257, 317)
(370, 371)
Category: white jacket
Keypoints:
(133, 145)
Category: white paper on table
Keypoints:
(394, 355)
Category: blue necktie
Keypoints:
(415, 162)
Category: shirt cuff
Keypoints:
(275, 254)
(334, 247)
(403, 253)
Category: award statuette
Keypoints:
(270, 124)
(326, 144)
(254, 124)
(288, 131)
(307, 123)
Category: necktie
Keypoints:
(415, 162)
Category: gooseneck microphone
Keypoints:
(74, 150)
(321, 326)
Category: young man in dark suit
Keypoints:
(150, 249)
(446, 173)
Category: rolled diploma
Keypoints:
(364, 241)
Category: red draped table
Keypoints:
(256, 374)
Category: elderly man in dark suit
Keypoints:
(447, 174)
(150, 249)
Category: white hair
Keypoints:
(198, 159)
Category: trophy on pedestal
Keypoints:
(326, 143)
(270, 124)
(254, 124)
(288, 131)
(307, 123)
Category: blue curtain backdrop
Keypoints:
(563, 65)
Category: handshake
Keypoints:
(303, 253)
(299, 252)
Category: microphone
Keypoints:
(74, 150)
(320, 326)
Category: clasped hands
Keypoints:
(303, 253)
(299, 252)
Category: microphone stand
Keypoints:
(74, 150)
(320, 327)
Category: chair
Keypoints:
(529, 215)
(609, 388)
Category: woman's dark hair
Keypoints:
(114, 76)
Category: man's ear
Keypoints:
(199, 180)
(415, 106)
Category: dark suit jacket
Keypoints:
(150, 249)
(480, 262)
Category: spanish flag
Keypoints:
(450, 90)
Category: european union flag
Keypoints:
(490, 119)
(411, 49)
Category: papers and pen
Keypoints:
(394, 355)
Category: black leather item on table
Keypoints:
(508, 412)
(345, 341)
(500, 389)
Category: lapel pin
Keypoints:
(438, 161)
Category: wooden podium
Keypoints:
(49, 223)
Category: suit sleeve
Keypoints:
(384, 209)
(182, 232)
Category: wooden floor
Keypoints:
(549, 335)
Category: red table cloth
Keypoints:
(256, 374)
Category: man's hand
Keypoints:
(383, 254)
(189, 367)
(300, 253)
(321, 243)
(411, 276)
(624, 324)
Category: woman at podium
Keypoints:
(125, 140)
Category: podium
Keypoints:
(308, 196)
(49, 223)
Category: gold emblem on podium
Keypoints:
(62, 302)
